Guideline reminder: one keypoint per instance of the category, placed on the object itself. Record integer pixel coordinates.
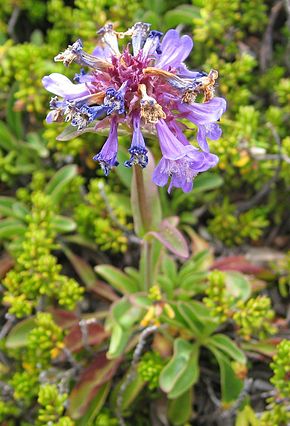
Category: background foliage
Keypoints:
(216, 322)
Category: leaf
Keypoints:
(71, 132)
(193, 315)
(238, 285)
(35, 143)
(145, 202)
(10, 228)
(74, 340)
(226, 345)
(57, 185)
(125, 314)
(63, 224)
(231, 385)
(171, 238)
(239, 264)
(6, 204)
(14, 118)
(7, 140)
(131, 392)
(117, 279)
(99, 372)
(183, 13)
(95, 406)
(124, 173)
(182, 371)
(64, 319)
(118, 342)
(180, 409)
(17, 338)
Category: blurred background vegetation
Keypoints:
(58, 215)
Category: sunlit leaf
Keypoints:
(180, 409)
(18, 336)
(226, 345)
(117, 279)
(58, 184)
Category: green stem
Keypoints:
(146, 248)
(141, 194)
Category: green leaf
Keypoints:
(207, 181)
(225, 344)
(6, 204)
(95, 406)
(180, 409)
(238, 285)
(63, 224)
(14, 118)
(35, 143)
(194, 316)
(10, 228)
(171, 238)
(231, 385)
(145, 202)
(182, 371)
(117, 279)
(184, 13)
(57, 185)
(82, 268)
(118, 342)
(7, 140)
(17, 338)
(124, 173)
(125, 314)
(131, 392)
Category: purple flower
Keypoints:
(149, 88)
(137, 149)
(180, 162)
(107, 157)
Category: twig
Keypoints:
(83, 323)
(266, 50)
(247, 205)
(132, 238)
(12, 22)
(7, 326)
(132, 370)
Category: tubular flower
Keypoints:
(147, 90)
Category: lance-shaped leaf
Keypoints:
(182, 371)
(10, 228)
(75, 340)
(118, 342)
(238, 285)
(171, 238)
(126, 314)
(100, 371)
(194, 314)
(130, 393)
(95, 406)
(145, 202)
(63, 224)
(231, 385)
(226, 345)
(180, 409)
(18, 336)
(57, 185)
(117, 279)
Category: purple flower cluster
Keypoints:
(149, 89)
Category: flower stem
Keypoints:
(145, 216)
(141, 194)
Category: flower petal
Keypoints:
(175, 49)
(60, 85)
(207, 112)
